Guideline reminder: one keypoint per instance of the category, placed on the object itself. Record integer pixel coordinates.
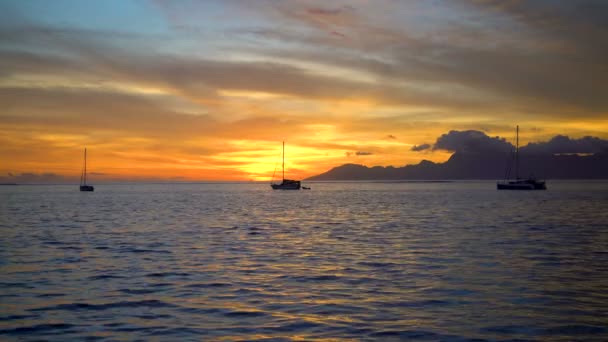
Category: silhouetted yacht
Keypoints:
(83, 177)
(286, 184)
(529, 183)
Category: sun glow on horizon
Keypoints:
(181, 94)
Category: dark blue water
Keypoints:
(364, 261)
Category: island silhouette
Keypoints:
(479, 156)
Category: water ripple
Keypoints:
(38, 329)
(122, 304)
(347, 261)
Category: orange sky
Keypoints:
(207, 91)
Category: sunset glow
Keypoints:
(208, 90)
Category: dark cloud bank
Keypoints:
(479, 156)
(478, 142)
(418, 148)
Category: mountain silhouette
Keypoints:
(477, 156)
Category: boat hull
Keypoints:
(87, 188)
(528, 184)
(287, 185)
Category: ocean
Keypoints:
(454, 261)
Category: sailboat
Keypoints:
(530, 183)
(83, 177)
(286, 184)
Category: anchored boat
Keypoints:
(83, 177)
(286, 184)
(529, 183)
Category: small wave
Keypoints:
(167, 274)
(104, 276)
(334, 309)
(22, 285)
(360, 280)
(201, 311)
(275, 307)
(139, 291)
(40, 328)
(206, 285)
(311, 279)
(143, 250)
(418, 303)
(134, 329)
(245, 314)
(10, 295)
(297, 326)
(450, 292)
(54, 243)
(510, 329)
(70, 248)
(124, 304)
(49, 295)
(151, 317)
(245, 291)
(161, 284)
(179, 332)
(575, 330)
(69, 260)
(15, 317)
(409, 334)
(376, 264)
(325, 278)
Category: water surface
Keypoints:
(369, 261)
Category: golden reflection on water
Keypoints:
(345, 262)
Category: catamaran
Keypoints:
(83, 177)
(529, 183)
(286, 184)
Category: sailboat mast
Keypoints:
(517, 153)
(85, 165)
(283, 165)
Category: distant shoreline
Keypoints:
(374, 181)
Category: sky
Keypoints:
(208, 90)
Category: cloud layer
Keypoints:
(478, 142)
(564, 144)
(471, 142)
(208, 90)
